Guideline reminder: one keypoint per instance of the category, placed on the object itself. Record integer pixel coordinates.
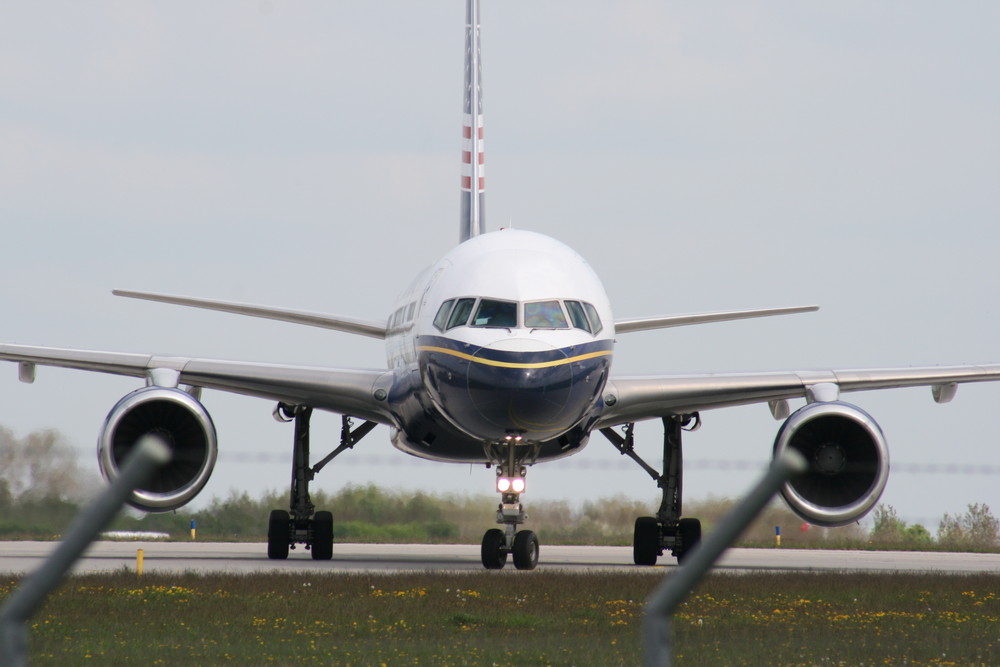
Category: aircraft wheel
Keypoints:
(646, 541)
(279, 533)
(322, 536)
(494, 550)
(689, 534)
(525, 550)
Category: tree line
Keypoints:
(42, 488)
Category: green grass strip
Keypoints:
(513, 618)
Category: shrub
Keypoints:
(976, 530)
(888, 528)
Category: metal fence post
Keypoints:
(657, 631)
(150, 453)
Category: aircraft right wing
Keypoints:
(372, 328)
(346, 391)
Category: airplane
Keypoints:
(499, 354)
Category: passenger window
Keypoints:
(459, 316)
(493, 313)
(577, 316)
(442, 315)
(595, 320)
(544, 315)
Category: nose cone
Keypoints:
(519, 386)
(528, 397)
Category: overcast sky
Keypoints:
(701, 156)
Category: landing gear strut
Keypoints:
(498, 543)
(667, 530)
(302, 524)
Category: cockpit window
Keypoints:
(544, 315)
(459, 316)
(493, 313)
(497, 314)
(577, 316)
(595, 319)
(442, 315)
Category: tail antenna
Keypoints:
(473, 170)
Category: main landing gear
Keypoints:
(667, 530)
(498, 543)
(302, 524)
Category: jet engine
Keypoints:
(180, 420)
(848, 462)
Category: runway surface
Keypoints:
(218, 557)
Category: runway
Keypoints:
(242, 557)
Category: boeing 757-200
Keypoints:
(498, 354)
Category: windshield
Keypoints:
(493, 313)
(496, 313)
(459, 316)
(544, 315)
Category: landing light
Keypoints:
(510, 484)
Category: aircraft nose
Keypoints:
(528, 392)
(531, 388)
(516, 385)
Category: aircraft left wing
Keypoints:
(847, 451)
(668, 321)
(636, 398)
(345, 391)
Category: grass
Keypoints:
(513, 618)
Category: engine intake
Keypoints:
(180, 420)
(848, 462)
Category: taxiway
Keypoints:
(245, 557)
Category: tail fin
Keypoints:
(472, 221)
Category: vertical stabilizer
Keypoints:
(473, 219)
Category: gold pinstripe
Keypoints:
(511, 364)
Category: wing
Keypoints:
(372, 328)
(668, 321)
(345, 391)
(629, 399)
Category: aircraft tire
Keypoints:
(525, 550)
(322, 531)
(279, 533)
(646, 541)
(689, 533)
(494, 550)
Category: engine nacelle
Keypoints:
(180, 420)
(848, 462)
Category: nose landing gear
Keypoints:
(521, 544)
(498, 543)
